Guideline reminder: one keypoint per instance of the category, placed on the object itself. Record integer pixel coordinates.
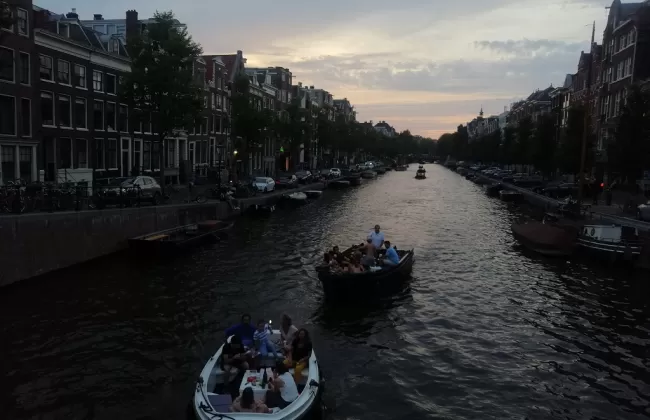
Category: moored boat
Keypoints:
(172, 240)
(339, 184)
(511, 196)
(494, 190)
(210, 401)
(353, 177)
(549, 237)
(610, 241)
(313, 193)
(296, 197)
(341, 286)
(368, 174)
(400, 168)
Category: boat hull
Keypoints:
(172, 241)
(609, 251)
(546, 239)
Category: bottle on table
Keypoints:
(265, 379)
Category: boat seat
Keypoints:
(157, 237)
(220, 402)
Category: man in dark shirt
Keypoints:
(245, 330)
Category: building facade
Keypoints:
(19, 120)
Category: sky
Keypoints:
(422, 65)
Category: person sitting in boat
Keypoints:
(233, 357)
(298, 357)
(262, 336)
(245, 330)
(391, 258)
(246, 403)
(377, 237)
(287, 332)
(283, 389)
(355, 266)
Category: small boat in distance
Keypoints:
(339, 184)
(368, 174)
(172, 240)
(313, 193)
(296, 197)
(400, 168)
(421, 173)
(511, 196)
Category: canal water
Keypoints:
(483, 330)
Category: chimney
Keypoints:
(97, 17)
(311, 87)
(73, 14)
(299, 84)
(132, 24)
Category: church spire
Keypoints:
(480, 114)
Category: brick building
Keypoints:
(625, 60)
(19, 122)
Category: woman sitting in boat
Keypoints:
(233, 357)
(298, 357)
(287, 332)
(283, 389)
(355, 266)
(246, 403)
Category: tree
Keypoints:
(630, 154)
(161, 83)
(569, 150)
(521, 149)
(543, 145)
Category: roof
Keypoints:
(53, 23)
(229, 62)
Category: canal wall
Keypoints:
(36, 243)
(548, 203)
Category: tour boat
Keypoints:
(211, 402)
(341, 286)
(611, 241)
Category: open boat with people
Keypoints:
(210, 401)
(342, 285)
(172, 240)
(421, 173)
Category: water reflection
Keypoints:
(482, 330)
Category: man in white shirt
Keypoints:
(376, 237)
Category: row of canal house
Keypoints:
(62, 117)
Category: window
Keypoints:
(112, 154)
(46, 68)
(63, 74)
(146, 157)
(64, 153)
(79, 76)
(64, 30)
(98, 81)
(7, 12)
(80, 113)
(621, 43)
(111, 87)
(171, 154)
(23, 22)
(65, 112)
(81, 153)
(26, 117)
(47, 108)
(110, 116)
(628, 66)
(25, 164)
(123, 122)
(8, 163)
(7, 69)
(100, 154)
(114, 46)
(98, 115)
(24, 68)
(7, 115)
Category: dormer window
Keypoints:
(64, 30)
(114, 46)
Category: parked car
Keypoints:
(304, 177)
(286, 181)
(264, 184)
(129, 190)
(335, 173)
(643, 212)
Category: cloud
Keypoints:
(529, 48)
(529, 64)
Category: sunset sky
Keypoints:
(423, 65)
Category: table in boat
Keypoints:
(258, 391)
